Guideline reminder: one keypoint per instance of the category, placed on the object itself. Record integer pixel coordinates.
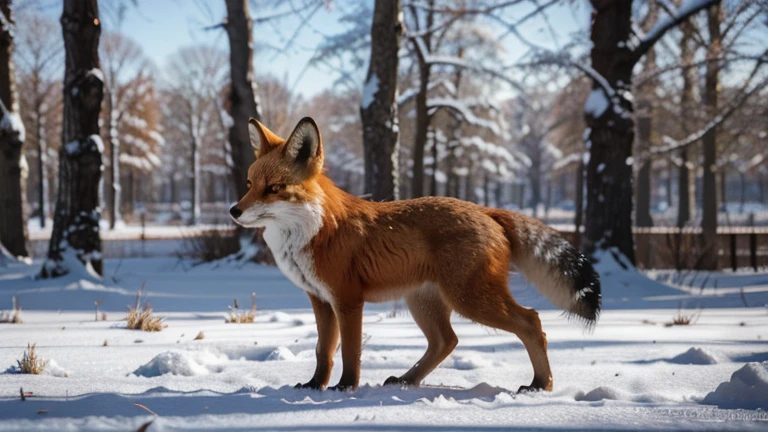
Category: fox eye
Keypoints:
(275, 188)
(248, 184)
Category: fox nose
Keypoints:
(235, 212)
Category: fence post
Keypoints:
(753, 250)
(733, 252)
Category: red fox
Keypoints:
(440, 254)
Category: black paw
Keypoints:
(393, 380)
(308, 385)
(535, 387)
(342, 387)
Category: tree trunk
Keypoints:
(378, 110)
(644, 128)
(195, 216)
(611, 133)
(239, 27)
(711, 90)
(13, 165)
(114, 163)
(76, 220)
(42, 159)
(422, 115)
(686, 177)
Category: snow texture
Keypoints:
(631, 373)
(596, 103)
(369, 91)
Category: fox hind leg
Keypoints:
(495, 307)
(433, 317)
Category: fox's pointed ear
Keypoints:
(262, 139)
(305, 147)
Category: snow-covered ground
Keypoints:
(633, 372)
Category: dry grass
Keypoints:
(30, 363)
(236, 316)
(141, 318)
(200, 336)
(683, 319)
(12, 317)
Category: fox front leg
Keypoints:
(327, 341)
(351, 329)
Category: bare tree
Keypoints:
(378, 108)
(75, 239)
(13, 166)
(195, 76)
(39, 50)
(131, 117)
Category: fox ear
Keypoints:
(262, 139)
(305, 147)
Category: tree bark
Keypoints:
(76, 219)
(611, 134)
(239, 27)
(378, 110)
(13, 165)
(709, 141)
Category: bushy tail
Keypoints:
(565, 276)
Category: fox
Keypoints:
(439, 254)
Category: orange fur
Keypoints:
(441, 254)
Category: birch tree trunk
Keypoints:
(378, 109)
(13, 165)
(75, 240)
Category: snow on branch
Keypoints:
(465, 112)
(677, 16)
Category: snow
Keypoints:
(369, 91)
(633, 372)
(747, 389)
(11, 121)
(596, 103)
(184, 363)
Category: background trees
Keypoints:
(495, 102)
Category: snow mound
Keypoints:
(181, 363)
(468, 362)
(281, 353)
(282, 317)
(53, 369)
(747, 389)
(695, 356)
(610, 393)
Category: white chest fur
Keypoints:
(287, 237)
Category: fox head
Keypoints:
(283, 179)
